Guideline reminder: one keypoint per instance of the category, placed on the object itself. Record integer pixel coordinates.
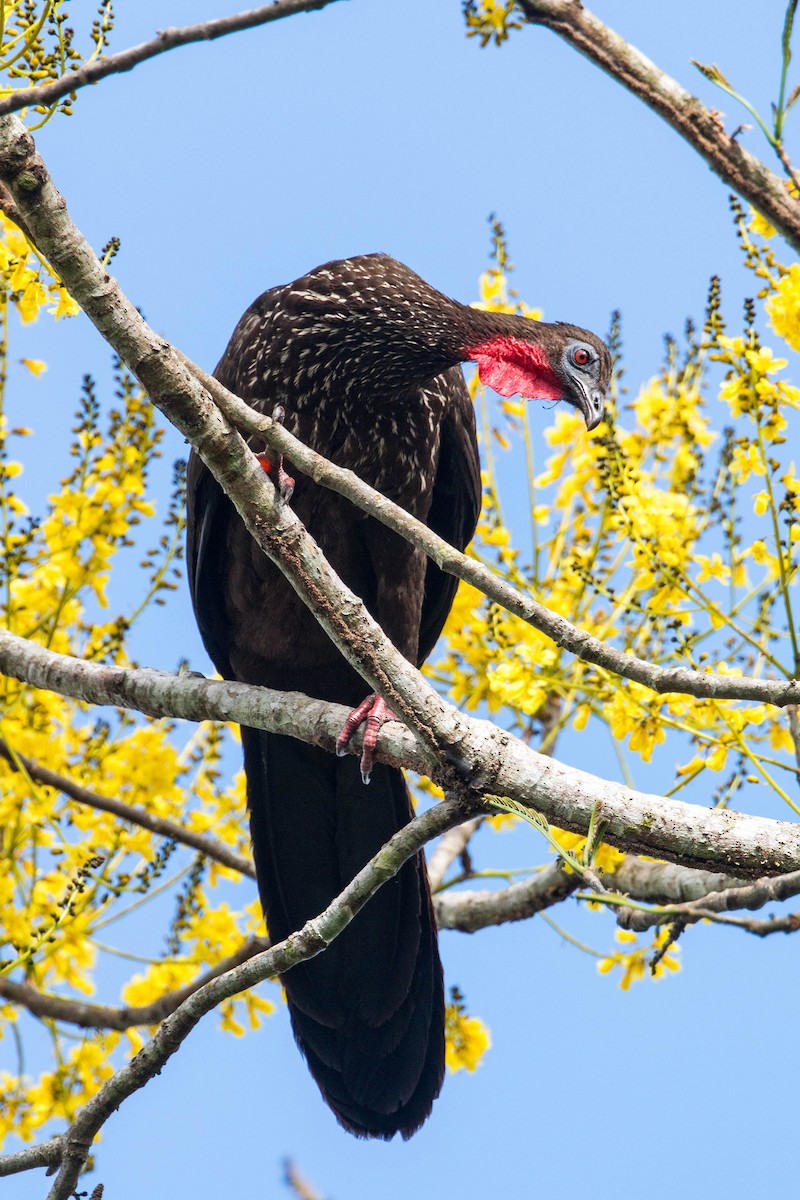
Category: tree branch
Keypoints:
(667, 883)
(678, 680)
(129, 812)
(469, 911)
(102, 1016)
(710, 839)
(311, 940)
(683, 111)
(46, 1154)
(752, 896)
(46, 94)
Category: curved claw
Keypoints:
(373, 713)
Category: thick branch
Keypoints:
(311, 940)
(667, 883)
(167, 39)
(683, 111)
(469, 911)
(129, 812)
(711, 839)
(680, 680)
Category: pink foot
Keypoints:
(375, 712)
(273, 465)
(272, 462)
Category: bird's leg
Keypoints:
(272, 462)
(372, 713)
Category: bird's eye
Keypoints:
(581, 356)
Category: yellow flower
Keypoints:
(634, 964)
(761, 226)
(783, 307)
(66, 306)
(34, 365)
(745, 461)
(712, 568)
(467, 1039)
(33, 298)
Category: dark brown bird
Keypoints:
(363, 357)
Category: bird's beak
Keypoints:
(591, 402)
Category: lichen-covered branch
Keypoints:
(680, 680)
(492, 760)
(166, 39)
(46, 1154)
(696, 124)
(642, 880)
(752, 896)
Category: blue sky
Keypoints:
(229, 167)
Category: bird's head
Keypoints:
(549, 362)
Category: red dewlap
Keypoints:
(512, 367)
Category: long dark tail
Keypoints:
(368, 1013)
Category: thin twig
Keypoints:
(102, 1016)
(762, 928)
(46, 94)
(297, 1184)
(129, 812)
(450, 847)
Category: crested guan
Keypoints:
(363, 356)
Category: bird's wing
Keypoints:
(456, 502)
(209, 511)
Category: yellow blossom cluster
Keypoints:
(639, 961)
(74, 876)
(26, 281)
(634, 537)
(490, 20)
(670, 532)
(466, 1038)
